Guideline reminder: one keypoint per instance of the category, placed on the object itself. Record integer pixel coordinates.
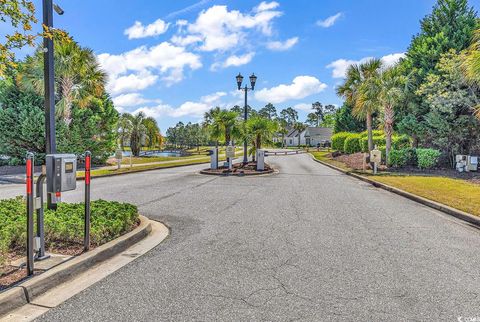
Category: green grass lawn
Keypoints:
(322, 155)
(456, 193)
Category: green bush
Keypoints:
(109, 219)
(352, 144)
(364, 134)
(338, 141)
(427, 158)
(400, 142)
(377, 140)
(402, 157)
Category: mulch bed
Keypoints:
(355, 162)
(239, 169)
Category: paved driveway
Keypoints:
(306, 244)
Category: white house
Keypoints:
(311, 136)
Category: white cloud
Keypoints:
(154, 111)
(138, 30)
(330, 21)
(164, 59)
(301, 87)
(281, 46)
(220, 29)
(212, 98)
(131, 99)
(264, 6)
(188, 108)
(131, 82)
(392, 59)
(303, 107)
(340, 66)
(234, 60)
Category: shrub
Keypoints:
(377, 140)
(402, 157)
(109, 219)
(352, 144)
(427, 158)
(364, 134)
(400, 142)
(338, 141)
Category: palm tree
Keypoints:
(282, 129)
(213, 128)
(138, 132)
(228, 122)
(124, 128)
(152, 131)
(391, 89)
(260, 130)
(78, 76)
(300, 127)
(361, 91)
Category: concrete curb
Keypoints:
(424, 201)
(25, 292)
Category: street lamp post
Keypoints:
(49, 83)
(253, 80)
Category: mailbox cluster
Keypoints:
(60, 174)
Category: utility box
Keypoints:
(472, 163)
(213, 158)
(461, 162)
(260, 160)
(61, 173)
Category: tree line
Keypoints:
(432, 95)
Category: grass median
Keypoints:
(456, 193)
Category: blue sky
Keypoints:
(176, 59)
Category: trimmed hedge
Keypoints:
(377, 140)
(338, 141)
(423, 158)
(109, 220)
(427, 158)
(352, 144)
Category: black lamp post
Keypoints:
(253, 80)
(49, 83)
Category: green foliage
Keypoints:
(345, 121)
(109, 219)
(378, 140)
(400, 142)
(338, 141)
(450, 125)
(448, 27)
(22, 122)
(402, 157)
(427, 158)
(352, 144)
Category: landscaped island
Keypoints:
(63, 230)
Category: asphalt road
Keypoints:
(306, 244)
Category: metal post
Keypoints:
(86, 236)
(49, 79)
(245, 116)
(86, 240)
(30, 207)
(40, 221)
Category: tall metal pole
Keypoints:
(86, 231)
(245, 116)
(49, 83)
(30, 209)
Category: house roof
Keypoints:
(319, 131)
